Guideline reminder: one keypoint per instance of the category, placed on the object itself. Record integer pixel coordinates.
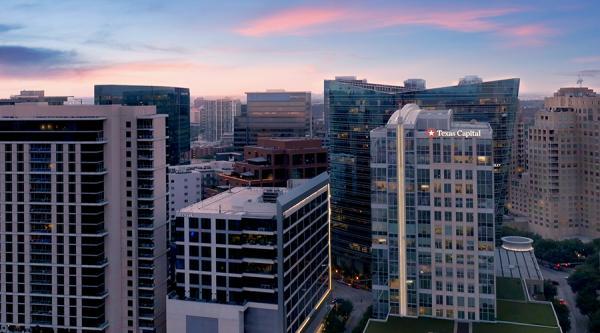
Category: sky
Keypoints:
(226, 48)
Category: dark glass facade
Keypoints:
(172, 101)
(354, 107)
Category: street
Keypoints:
(578, 321)
(361, 299)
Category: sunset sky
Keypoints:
(229, 47)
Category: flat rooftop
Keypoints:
(237, 201)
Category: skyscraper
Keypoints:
(354, 107)
(217, 117)
(172, 101)
(561, 183)
(252, 259)
(83, 237)
(274, 113)
(433, 216)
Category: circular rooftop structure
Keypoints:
(517, 243)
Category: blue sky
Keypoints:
(229, 47)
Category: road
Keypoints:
(579, 322)
(361, 299)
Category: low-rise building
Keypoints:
(273, 161)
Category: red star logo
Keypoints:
(431, 132)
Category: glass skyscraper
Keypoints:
(172, 101)
(354, 107)
(432, 208)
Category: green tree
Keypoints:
(594, 323)
(562, 312)
(344, 308)
(587, 300)
(333, 323)
(549, 290)
(584, 276)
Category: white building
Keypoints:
(188, 183)
(217, 117)
(432, 207)
(84, 220)
(252, 260)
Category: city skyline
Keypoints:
(226, 50)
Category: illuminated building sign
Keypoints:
(432, 133)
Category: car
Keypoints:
(562, 301)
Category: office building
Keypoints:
(191, 183)
(274, 113)
(33, 96)
(217, 117)
(560, 186)
(172, 101)
(354, 107)
(253, 260)
(273, 161)
(432, 207)
(83, 238)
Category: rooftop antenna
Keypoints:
(579, 80)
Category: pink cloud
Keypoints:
(290, 21)
(586, 60)
(305, 21)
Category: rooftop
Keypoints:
(413, 116)
(517, 264)
(237, 201)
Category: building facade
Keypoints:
(33, 96)
(354, 107)
(172, 101)
(83, 238)
(560, 185)
(432, 207)
(274, 113)
(273, 161)
(217, 117)
(191, 183)
(252, 260)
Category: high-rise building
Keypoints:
(561, 183)
(172, 101)
(517, 195)
(432, 207)
(252, 259)
(274, 113)
(354, 107)
(273, 161)
(84, 232)
(217, 117)
(33, 96)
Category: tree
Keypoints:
(333, 323)
(584, 276)
(594, 323)
(587, 300)
(562, 312)
(549, 290)
(344, 308)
